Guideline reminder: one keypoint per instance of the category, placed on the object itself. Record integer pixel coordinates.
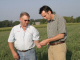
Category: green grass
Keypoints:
(73, 42)
(5, 29)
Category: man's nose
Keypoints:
(44, 17)
(26, 22)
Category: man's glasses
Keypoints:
(26, 20)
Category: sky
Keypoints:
(11, 9)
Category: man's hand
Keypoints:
(16, 56)
(44, 42)
(39, 46)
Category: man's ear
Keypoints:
(49, 12)
(20, 19)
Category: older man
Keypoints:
(24, 37)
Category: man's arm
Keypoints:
(15, 54)
(58, 37)
(61, 30)
(37, 42)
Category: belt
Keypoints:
(23, 50)
(56, 43)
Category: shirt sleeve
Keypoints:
(36, 35)
(61, 25)
(11, 36)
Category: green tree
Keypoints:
(78, 19)
(72, 19)
(16, 23)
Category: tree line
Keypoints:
(8, 23)
(72, 19)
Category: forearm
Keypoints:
(11, 45)
(15, 54)
(37, 42)
(58, 37)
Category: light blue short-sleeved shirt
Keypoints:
(23, 40)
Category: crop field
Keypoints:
(73, 42)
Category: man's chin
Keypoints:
(25, 25)
(48, 19)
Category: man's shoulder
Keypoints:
(16, 26)
(57, 16)
(31, 26)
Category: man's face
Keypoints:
(46, 15)
(25, 20)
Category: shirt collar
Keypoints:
(53, 19)
(21, 26)
(50, 20)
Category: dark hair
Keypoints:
(24, 13)
(45, 8)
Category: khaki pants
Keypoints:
(57, 52)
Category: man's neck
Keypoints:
(24, 27)
(52, 16)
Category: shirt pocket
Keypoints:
(28, 36)
(17, 35)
